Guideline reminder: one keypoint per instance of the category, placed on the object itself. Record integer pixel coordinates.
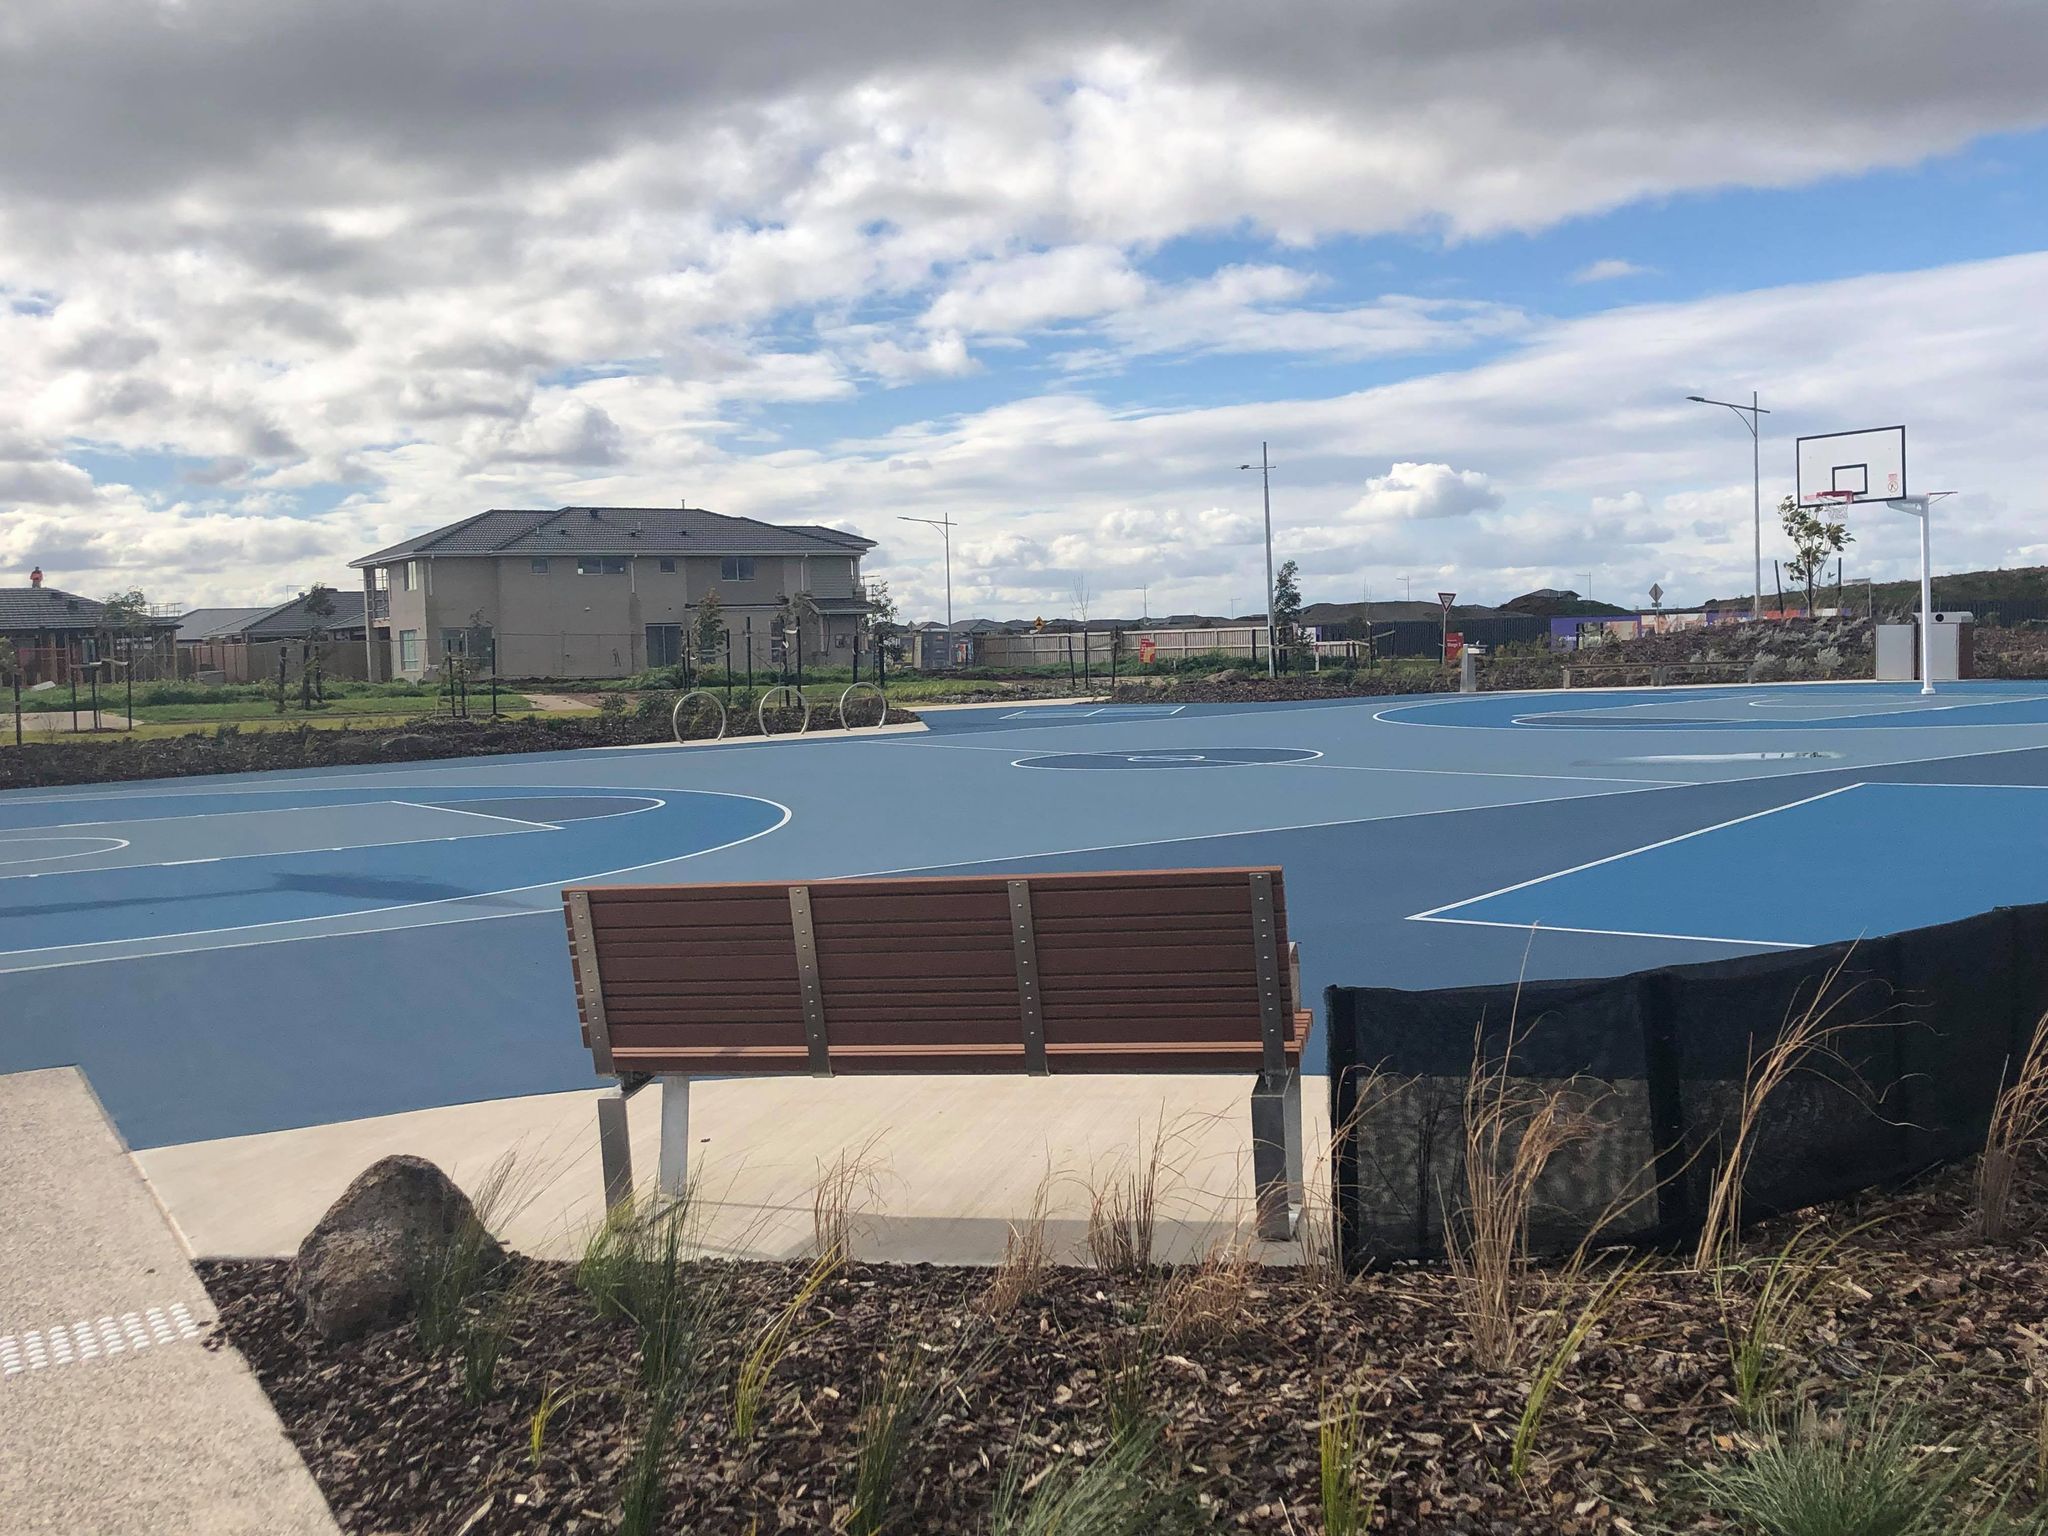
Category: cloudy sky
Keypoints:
(282, 280)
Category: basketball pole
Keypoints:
(1919, 506)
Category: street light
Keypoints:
(1265, 469)
(1750, 415)
(945, 525)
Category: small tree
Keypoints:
(1286, 606)
(707, 627)
(123, 620)
(313, 676)
(797, 609)
(881, 617)
(1814, 542)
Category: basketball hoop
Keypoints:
(1835, 498)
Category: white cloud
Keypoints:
(1026, 293)
(1608, 269)
(1422, 492)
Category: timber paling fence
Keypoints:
(1932, 1021)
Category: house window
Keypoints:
(600, 565)
(539, 565)
(664, 644)
(668, 566)
(408, 650)
(381, 578)
(736, 568)
(409, 576)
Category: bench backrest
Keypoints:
(1184, 969)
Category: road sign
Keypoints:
(1446, 598)
(1454, 646)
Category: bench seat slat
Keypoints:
(1193, 1056)
(629, 1035)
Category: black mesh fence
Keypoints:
(1922, 1026)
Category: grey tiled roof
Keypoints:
(26, 608)
(619, 531)
(288, 621)
(210, 623)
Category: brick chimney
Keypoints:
(35, 577)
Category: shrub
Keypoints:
(1512, 1132)
(2017, 1122)
(1871, 1475)
(451, 1275)
(770, 1345)
(1128, 1490)
(1123, 1213)
(1349, 1495)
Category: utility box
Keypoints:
(1951, 649)
(1898, 653)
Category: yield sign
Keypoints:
(1446, 598)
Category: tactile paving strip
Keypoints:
(103, 1338)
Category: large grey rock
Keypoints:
(364, 1261)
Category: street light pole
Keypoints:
(1266, 483)
(1750, 416)
(945, 525)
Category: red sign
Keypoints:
(1454, 646)
(1148, 649)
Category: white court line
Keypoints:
(1388, 714)
(1945, 784)
(116, 845)
(409, 906)
(534, 826)
(1479, 773)
(1616, 933)
(517, 826)
(129, 821)
(1163, 759)
(1628, 853)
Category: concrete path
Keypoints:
(557, 703)
(953, 1161)
(58, 722)
(114, 1418)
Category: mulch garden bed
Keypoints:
(228, 750)
(1909, 1307)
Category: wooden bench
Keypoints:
(1185, 970)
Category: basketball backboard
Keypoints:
(1869, 465)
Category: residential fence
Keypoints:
(256, 662)
(1928, 1024)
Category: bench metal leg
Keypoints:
(614, 1147)
(1276, 1153)
(675, 1135)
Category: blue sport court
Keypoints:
(226, 956)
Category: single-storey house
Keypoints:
(59, 635)
(608, 591)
